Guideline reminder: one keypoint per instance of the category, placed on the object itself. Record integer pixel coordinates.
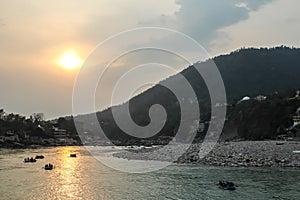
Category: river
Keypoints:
(84, 177)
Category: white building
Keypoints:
(246, 98)
(260, 98)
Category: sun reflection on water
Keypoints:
(82, 177)
(67, 176)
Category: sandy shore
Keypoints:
(235, 154)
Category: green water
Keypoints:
(86, 178)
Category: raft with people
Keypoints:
(226, 185)
(29, 160)
(48, 166)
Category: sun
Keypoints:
(70, 61)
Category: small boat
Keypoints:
(29, 160)
(225, 185)
(48, 167)
(73, 155)
(39, 157)
(228, 187)
(296, 151)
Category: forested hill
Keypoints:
(245, 72)
(259, 71)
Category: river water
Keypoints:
(84, 177)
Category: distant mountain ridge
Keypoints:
(245, 72)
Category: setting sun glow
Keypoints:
(70, 61)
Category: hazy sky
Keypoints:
(35, 34)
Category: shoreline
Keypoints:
(262, 154)
(277, 154)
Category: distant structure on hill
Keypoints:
(260, 98)
(296, 118)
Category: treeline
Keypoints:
(18, 124)
(32, 130)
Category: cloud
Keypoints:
(274, 24)
(202, 19)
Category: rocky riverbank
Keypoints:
(234, 154)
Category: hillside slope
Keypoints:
(245, 72)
